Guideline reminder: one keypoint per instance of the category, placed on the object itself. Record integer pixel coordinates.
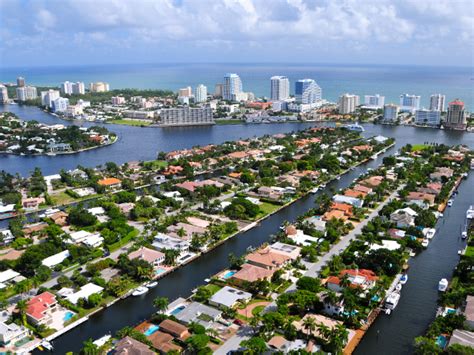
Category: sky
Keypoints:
(72, 32)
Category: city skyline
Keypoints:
(383, 32)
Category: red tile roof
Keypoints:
(37, 306)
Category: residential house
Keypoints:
(318, 320)
(84, 292)
(334, 214)
(440, 173)
(175, 329)
(199, 313)
(269, 193)
(363, 278)
(396, 233)
(365, 189)
(6, 237)
(163, 342)
(59, 218)
(110, 183)
(154, 257)
(462, 337)
(318, 223)
(251, 273)
(344, 207)
(469, 312)
(40, 309)
(354, 201)
(32, 203)
(298, 236)
(267, 259)
(403, 218)
(228, 297)
(130, 346)
(333, 308)
(56, 259)
(12, 333)
(291, 251)
(163, 241)
(186, 230)
(372, 181)
(30, 229)
(421, 199)
(355, 193)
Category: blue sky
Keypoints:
(71, 32)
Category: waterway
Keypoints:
(388, 335)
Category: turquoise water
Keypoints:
(177, 310)
(388, 80)
(441, 341)
(68, 316)
(153, 328)
(159, 271)
(228, 274)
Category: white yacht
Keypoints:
(391, 301)
(464, 234)
(450, 203)
(470, 212)
(151, 284)
(442, 285)
(425, 243)
(140, 291)
(355, 127)
(404, 279)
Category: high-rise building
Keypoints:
(79, 88)
(307, 91)
(456, 115)
(279, 88)
(118, 100)
(218, 90)
(348, 103)
(185, 92)
(60, 104)
(409, 103)
(25, 93)
(3, 94)
(390, 113)
(374, 101)
(20, 81)
(186, 116)
(99, 87)
(232, 87)
(200, 93)
(428, 117)
(437, 102)
(47, 97)
(66, 88)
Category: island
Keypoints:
(33, 138)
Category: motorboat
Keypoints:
(464, 234)
(151, 284)
(470, 212)
(398, 287)
(140, 291)
(404, 279)
(425, 243)
(443, 285)
(391, 301)
(102, 340)
(430, 233)
(315, 190)
(46, 345)
(355, 127)
(323, 186)
(450, 203)
(338, 178)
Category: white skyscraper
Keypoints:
(280, 88)
(3, 94)
(25, 93)
(66, 88)
(232, 87)
(78, 88)
(60, 104)
(374, 101)
(390, 113)
(409, 103)
(428, 117)
(437, 102)
(201, 93)
(47, 97)
(307, 91)
(348, 103)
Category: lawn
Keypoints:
(469, 251)
(155, 164)
(62, 198)
(213, 288)
(131, 122)
(267, 208)
(229, 122)
(419, 147)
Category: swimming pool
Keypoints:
(68, 315)
(441, 341)
(151, 329)
(159, 271)
(177, 310)
(228, 274)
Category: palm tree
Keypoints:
(22, 306)
(89, 348)
(161, 304)
(255, 322)
(324, 331)
(337, 338)
(309, 324)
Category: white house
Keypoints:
(404, 217)
(55, 259)
(11, 333)
(84, 292)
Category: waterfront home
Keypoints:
(291, 251)
(298, 236)
(12, 333)
(469, 311)
(362, 148)
(396, 233)
(329, 215)
(196, 312)
(40, 309)
(6, 237)
(238, 156)
(431, 188)
(422, 200)
(110, 183)
(386, 244)
(56, 259)
(93, 240)
(130, 346)
(404, 217)
(462, 337)
(319, 320)
(198, 222)
(173, 170)
(344, 207)
(269, 193)
(163, 241)
(59, 147)
(175, 329)
(30, 229)
(279, 343)
(251, 273)
(77, 174)
(372, 181)
(228, 297)
(355, 193)
(84, 191)
(84, 292)
(333, 307)
(440, 173)
(291, 180)
(163, 342)
(184, 229)
(32, 203)
(310, 174)
(267, 259)
(362, 188)
(363, 278)
(354, 201)
(318, 223)
(151, 256)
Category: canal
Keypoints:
(389, 334)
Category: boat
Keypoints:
(46, 345)
(450, 203)
(315, 190)
(459, 252)
(404, 279)
(430, 233)
(102, 340)
(464, 234)
(398, 287)
(374, 156)
(470, 212)
(151, 284)
(425, 243)
(443, 285)
(355, 127)
(323, 186)
(391, 301)
(338, 178)
(140, 291)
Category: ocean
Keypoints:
(387, 80)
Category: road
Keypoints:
(245, 332)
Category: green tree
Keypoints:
(254, 346)
(161, 304)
